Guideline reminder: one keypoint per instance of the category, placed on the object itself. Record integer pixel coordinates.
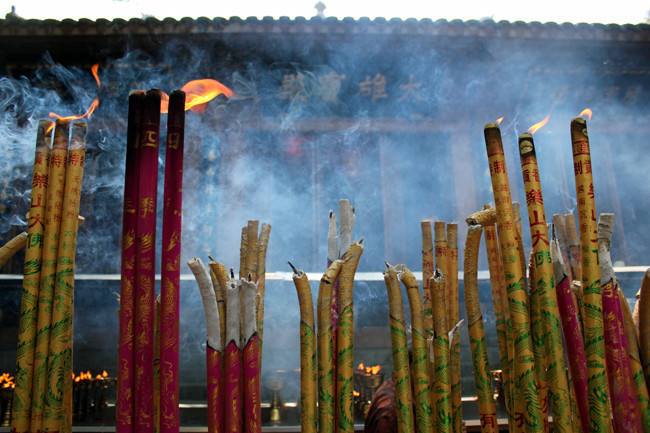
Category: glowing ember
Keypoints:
(356, 393)
(539, 125)
(361, 366)
(499, 121)
(586, 113)
(93, 105)
(198, 93)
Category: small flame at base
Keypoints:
(586, 113)
(539, 125)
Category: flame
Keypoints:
(361, 366)
(499, 120)
(104, 374)
(356, 393)
(539, 125)
(197, 94)
(93, 105)
(586, 113)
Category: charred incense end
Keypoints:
(331, 213)
(211, 258)
(293, 268)
(232, 273)
(250, 277)
(361, 241)
(387, 265)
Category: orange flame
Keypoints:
(104, 374)
(93, 105)
(361, 366)
(586, 113)
(499, 120)
(197, 94)
(539, 125)
(356, 393)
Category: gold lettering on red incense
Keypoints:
(150, 139)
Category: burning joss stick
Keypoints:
(145, 262)
(59, 363)
(572, 334)
(624, 402)
(454, 316)
(345, 340)
(444, 421)
(250, 344)
(243, 252)
(53, 214)
(15, 244)
(214, 346)
(219, 277)
(22, 398)
(126, 379)
(233, 393)
(636, 369)
(484, 217)
(308, 418)
(326, 385)
(265, 234)
(487, 408)
(170, 269)
(524, 368)
(599, 416)
(419, 365)
(543, 282)
(401, 370)
(252, 239)
(427, 273)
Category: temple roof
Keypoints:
(14, 26)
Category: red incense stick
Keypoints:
(145, 262)
(170, 270)
(215, 390)
(124, 410)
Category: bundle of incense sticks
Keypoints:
(232, 313)
(135, 394)
(334, 351)
(44, 355)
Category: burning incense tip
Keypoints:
(293, 268)
(499, 121)
(539, 125)
(586, 113)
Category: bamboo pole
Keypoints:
(308, 417)
(482, 377)
(124, 403)
(345, 340)
(250, 343)
(625, 409)
(454, 360)
(524, 367)
(22, 397)
(53, 215)
(11, 247)
(399, 344)
(502, 318)
(441, 253)
(444, 419)
(59, 362)
(326, 384)
(214, 346)
(636, 368)
(599, 413)
(552, 350)
(419, 366)
(169, 382)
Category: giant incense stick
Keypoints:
(599, 414)
(9, 249)
(59, 362)
(53, 215)
(427, 273)
(444, 419)
(265, 234)
(326, 385)
(524, 368)
(170, 269)
(543, 282)
(214, 347)
(487, 408)
(625, 409)
(538, 336)
(502, 316)
(219, 277)
(635, 363)
(252, 240)
(308, 418)
(250, 344)
(644, 323)
(22, 397)
(145, 262)
(572, 334)
(124, 408)
(345, 340)
(454, 316)
(401, 372)
(419, 365)
(233, 393)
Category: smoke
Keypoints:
(394, 124)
